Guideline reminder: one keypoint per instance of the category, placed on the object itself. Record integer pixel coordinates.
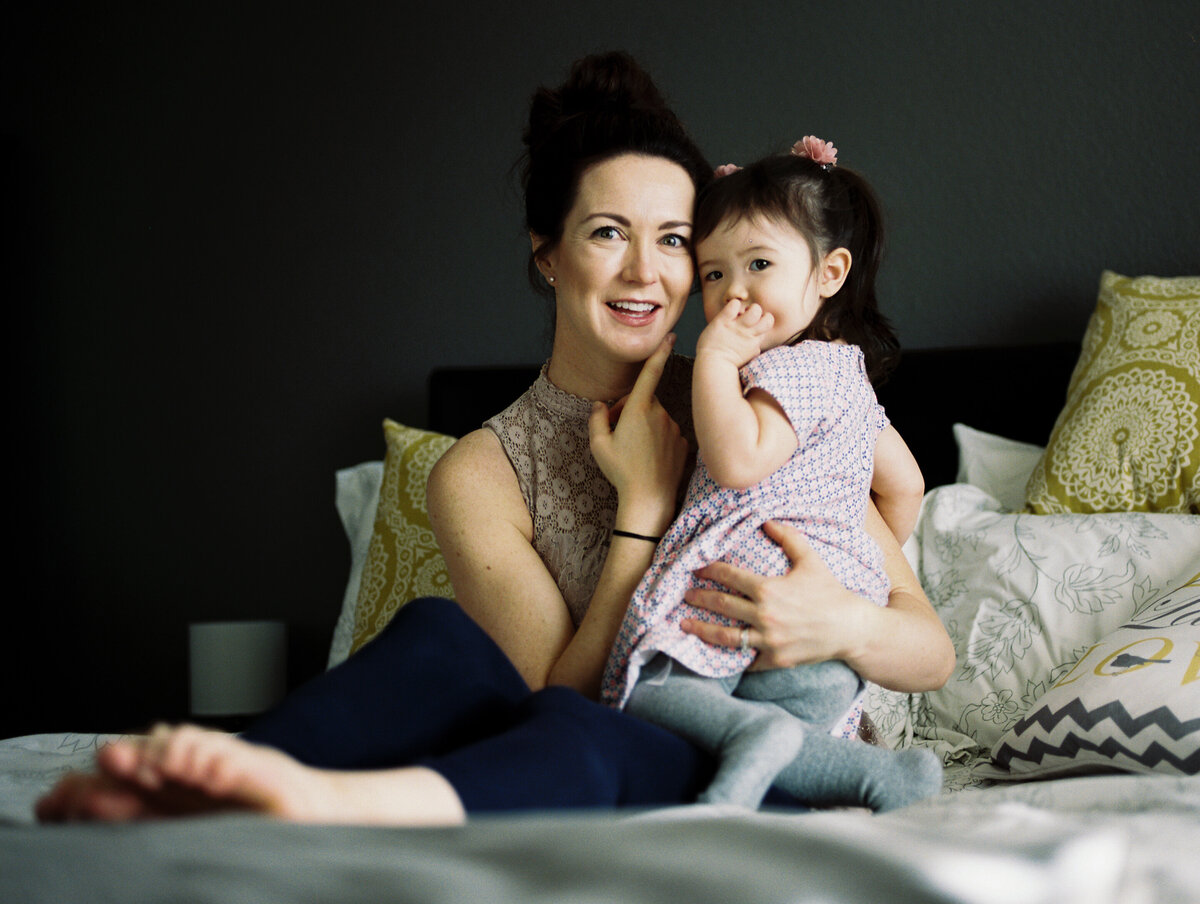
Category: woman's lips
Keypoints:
(630, 311)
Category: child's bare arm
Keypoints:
(742, 438)
(897, 485)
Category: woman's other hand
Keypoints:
(641, 451)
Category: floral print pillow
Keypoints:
(1023, 597)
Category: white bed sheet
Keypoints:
(1127, 839)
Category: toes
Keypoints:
(84, 797)
(126, 759)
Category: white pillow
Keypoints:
(999, 466)
(357, 497)
(1023, 597)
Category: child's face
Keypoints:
(760, 260)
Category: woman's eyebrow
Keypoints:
(601, 215)
(625, 221)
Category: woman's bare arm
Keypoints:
(742, 438)
(485, 532)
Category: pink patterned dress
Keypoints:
(822, 490)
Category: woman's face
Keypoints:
(623, 269)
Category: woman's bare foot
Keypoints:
(188, 770)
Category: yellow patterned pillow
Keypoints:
(403, 560)
(1128, 438)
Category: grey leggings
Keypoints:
(773, 727)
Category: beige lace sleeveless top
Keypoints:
(545, 436)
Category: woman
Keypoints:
(547, 520)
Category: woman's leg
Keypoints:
(432, 681)
(185, 770)
(565, 751)
(560, 751)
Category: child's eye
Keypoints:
(759, 264)
(713, 276)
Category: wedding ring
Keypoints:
(745, 639)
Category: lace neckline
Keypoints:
(559, 400)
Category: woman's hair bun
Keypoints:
(610, 80)
(597, 89)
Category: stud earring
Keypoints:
(550, 279)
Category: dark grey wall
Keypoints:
(244, 235)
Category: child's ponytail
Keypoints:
(855, 222)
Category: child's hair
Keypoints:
(831, 207)
(607, 106)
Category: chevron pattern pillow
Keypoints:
(1131, 703)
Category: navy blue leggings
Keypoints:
(434, 690)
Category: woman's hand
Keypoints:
(808, 616)
(801, 617)
(640, 450)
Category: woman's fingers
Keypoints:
(792, 541)
(600, 432)
(739, 580)
(719, 635)
(652, 371)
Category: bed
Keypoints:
(1070, 729)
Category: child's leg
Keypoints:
(753, 740)
(833, 771)
(816, 694)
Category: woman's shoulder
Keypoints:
(475, 460)
(474, 477)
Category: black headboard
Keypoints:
(1016, 392)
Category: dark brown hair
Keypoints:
(607, 106)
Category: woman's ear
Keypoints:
(834, 270)
(545, 267)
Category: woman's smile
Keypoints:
(622, 270)
(635, 313)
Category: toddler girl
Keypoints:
(788, 429)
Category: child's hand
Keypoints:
(735, 334)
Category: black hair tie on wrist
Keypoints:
(632, 535)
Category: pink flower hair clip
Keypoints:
(820, 152)
(726, 169)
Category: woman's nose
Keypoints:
(640, 264)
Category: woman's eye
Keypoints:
(674, 240)
(759, 264)
(606, 232)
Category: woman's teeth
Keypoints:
(633, 307)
